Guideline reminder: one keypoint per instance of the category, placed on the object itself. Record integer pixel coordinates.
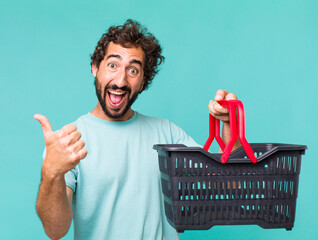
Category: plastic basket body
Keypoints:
(200, 192)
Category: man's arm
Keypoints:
(54, 206)
(64, 150)
(222, 114)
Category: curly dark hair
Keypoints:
(132, 34)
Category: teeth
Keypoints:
(116, 93)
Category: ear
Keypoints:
(142, 86)
(94, 69)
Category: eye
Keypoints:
(133, 71)
(112, 65)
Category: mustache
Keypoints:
(115, 87)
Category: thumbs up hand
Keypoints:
(64, 149)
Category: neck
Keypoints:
(99, 113)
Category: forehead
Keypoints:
(125, 52)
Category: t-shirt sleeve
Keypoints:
(70, 177)
(179, 136)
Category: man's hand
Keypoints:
(216, 110)
(64, 149)
(222, 113)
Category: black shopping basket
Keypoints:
(200, 191)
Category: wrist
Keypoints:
(226, 127)
(50, 174)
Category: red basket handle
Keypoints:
(214, 131)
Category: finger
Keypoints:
(75, 136)
(69, 139)
(223, 118)
(220, 94)
(219, 109)
(78, 145)
(216, 109)
(46, 125)
(230, 96)
(82, 153)
(68, 129)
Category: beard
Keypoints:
(119, 113)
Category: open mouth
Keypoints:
(116, 98)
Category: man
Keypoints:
(112, 189)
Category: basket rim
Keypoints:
(274, 147)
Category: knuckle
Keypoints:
(217, 107)
(64, 146)
(70, 127)
(213, 112)
(82, 143)
(65, 142)
(65, 127)
(61, 143)
(70, 151)
(73, 126)
(76, 135)
(231, 96)
(60, 134)
(73, 158)
(214, 109)
(83, 153)
(220, 91)
(211, 109)
(79, 134)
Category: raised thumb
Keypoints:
(46, 125)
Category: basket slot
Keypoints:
(217, 190)
(291, 188)
(287, 212)
(268, 213)
(163, 164)
(276, 214)
(248, 194)
(275, 187)
(286, 189)
(281, 213)
(295, 163)
(254, 211)
(288, 163)
(261, 211)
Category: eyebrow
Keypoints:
(113, 55)
(119, 57)
(136, 61)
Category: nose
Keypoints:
(121, 79)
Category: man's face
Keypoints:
(119, 79)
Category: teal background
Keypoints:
(263, 51)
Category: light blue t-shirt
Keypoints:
(117, 187)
